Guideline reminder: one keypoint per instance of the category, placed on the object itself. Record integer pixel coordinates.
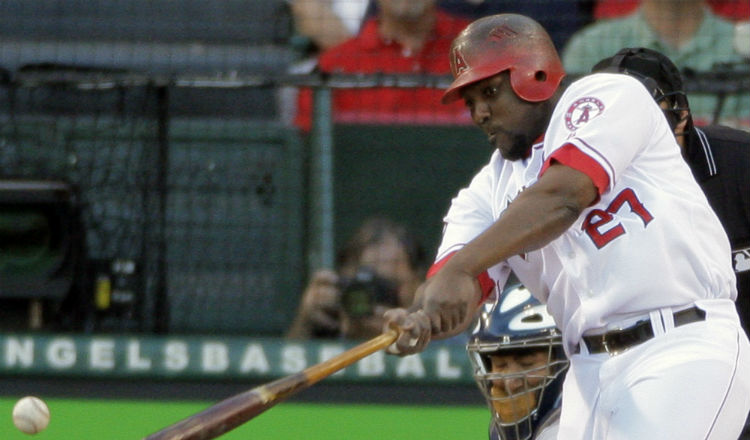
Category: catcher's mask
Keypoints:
(518, 362)
(657, 73)
(512, 42)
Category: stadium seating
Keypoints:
(245, 22)
(157, 38)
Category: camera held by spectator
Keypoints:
(361, 293)
(379, 268)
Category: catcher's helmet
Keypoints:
(496, 43)
(656, 72)
(517, 325)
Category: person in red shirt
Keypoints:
(404, 36)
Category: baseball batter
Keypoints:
(588, 201)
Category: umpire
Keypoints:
(719, 156)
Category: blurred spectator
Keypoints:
(561, 18)
(327, 23)
(379, 268)
(730, 9)
(405, 36)
(687, 32)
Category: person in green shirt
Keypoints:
(687, 32)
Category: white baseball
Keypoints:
(31, 415)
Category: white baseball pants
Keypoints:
(688, 382)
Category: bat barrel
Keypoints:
(234, 411)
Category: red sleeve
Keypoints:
(570, 155)
(485, 282)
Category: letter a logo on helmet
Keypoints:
(459, 62)
(503, 42)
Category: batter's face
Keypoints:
(516, 395)
(511, 124)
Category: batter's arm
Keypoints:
(537, 216)
(448, 301)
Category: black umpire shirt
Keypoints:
(720, 160)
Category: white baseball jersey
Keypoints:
(650, 241)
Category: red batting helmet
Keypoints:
(502, 42)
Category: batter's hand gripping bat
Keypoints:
(234, 411)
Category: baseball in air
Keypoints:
(31, 415)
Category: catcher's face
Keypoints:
(515, 390)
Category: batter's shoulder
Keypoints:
(605, 83)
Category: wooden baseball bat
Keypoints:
(236, 410)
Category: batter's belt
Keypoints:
(617, 341)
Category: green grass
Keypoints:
(79, 419)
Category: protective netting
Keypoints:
(193, 224)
